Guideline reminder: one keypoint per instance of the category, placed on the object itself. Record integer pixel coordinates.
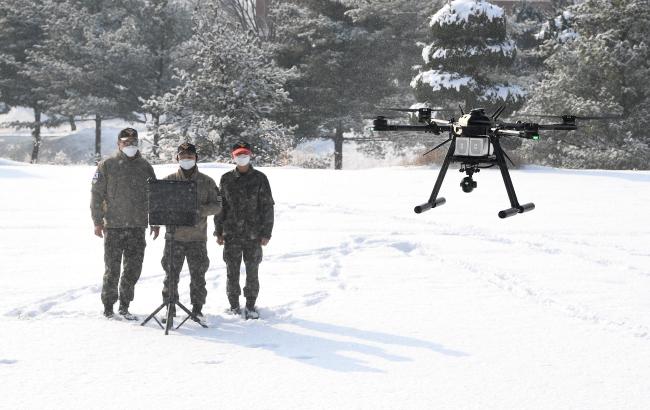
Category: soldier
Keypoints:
(190, 241)
(244, 226)
(119, 210)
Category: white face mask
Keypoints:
(242, 160)
(130, 150)
(187, 164)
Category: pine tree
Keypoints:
(399, 26)
(164, 27)
(349, 58)
(90, 62)
(467, 61)
(603, 70)
(21, 30)
(228, 93)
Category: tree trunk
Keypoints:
(36, 133)
(98, 138)
(156, 135)
(261, 15)
(260, 6)
(338, 147)
(73, 125)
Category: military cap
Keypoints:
(187, 148)
(241, 147)
(127, 134)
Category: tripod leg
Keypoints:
(153, 316)
(190, 315)
(173, 280)
(181, 324)
(170, 317)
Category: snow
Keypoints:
(426, 50)
(562, 23)
(461, 10)
(59, 144)
(353, 155)
(502, 92)
(505, 49)
(439, 80)
(364, 304)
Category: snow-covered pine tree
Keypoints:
(346, 58)
(524, 25)
(228, 93)
(90, 61)
(21, 30)
(467, 61)
(163, 27)
(604, 69)
(398, 27)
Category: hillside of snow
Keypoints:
(364, 304)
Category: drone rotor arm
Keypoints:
(510, 133)
(558, 127)
(436, 147)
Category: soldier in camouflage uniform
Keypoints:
(119, 211)
(244, 226)
(190, 241)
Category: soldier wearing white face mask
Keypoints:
(190, 241)
(244, 226)
(119, 210)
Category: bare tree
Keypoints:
(251, 14)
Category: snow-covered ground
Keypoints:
(364, 304)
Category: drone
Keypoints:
(475, 143)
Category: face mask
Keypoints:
(130, 150)
(187, 164)
(242, 160)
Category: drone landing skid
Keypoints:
(515, 207)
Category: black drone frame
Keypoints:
(486, 128)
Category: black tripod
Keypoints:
(172, 301)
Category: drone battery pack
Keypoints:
(473, 147)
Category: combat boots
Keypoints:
(249, 311)
(196, 310)
(108, 311)
(123, 310)
(234, 304)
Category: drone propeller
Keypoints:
(385, 117)
(577, 117)
(417, 109)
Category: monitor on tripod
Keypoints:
(173, 203)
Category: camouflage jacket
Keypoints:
(247, 206)
(209, 201)
(119, 192)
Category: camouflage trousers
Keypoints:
(123, 248)
(251, 251)
(196, 254)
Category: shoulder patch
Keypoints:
(96, 176)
